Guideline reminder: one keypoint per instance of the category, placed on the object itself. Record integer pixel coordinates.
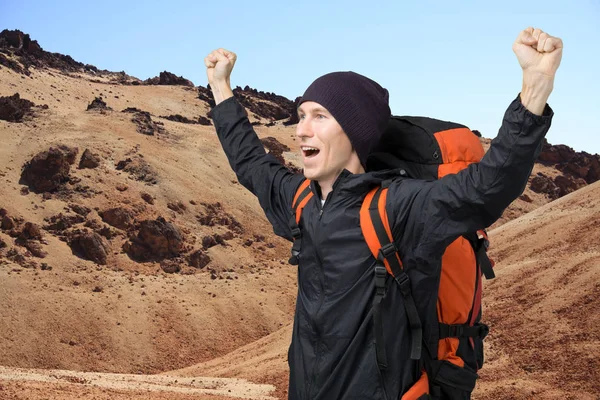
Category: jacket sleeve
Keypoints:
(432, 214)
(259, 172)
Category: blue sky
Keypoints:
(443, 59)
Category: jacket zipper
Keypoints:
(322, 297)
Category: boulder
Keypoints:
(49, 170)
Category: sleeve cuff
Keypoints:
(224, 103)
(543, 119)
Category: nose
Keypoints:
(303, 129)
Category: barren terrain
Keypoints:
(91, 309)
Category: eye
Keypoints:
(321, 116)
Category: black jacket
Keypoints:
(332, 354)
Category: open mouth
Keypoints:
(309, 152)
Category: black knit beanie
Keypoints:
(359, 104)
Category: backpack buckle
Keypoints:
(296, 233)
(380, 275)
(387, 251)
(404, 283)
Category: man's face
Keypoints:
(326, 149)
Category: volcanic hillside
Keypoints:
(127, 245)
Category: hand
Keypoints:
(538, 52)
(219, 64)
(539, 55)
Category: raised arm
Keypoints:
(259, 172)
(436, 213)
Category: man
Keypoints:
(341, 118)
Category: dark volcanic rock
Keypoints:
(14, 108)
(12, 64)
(205, 94)
(122, 218)
(525, 198)
(101, 229)
(583, 165)
(79, 209)
(543, 184)
(88, 245)
(7, 223)
(557, 187)
(208, 242)
(89, 160)
(266, 105)
(180, 118)
(275, 148)
(147, 197)
(145, 125)
(15, 256)
(48, 170)
(30, 231)
(30, 54)
(121, 78)
(178, 207)
(576, 164)
(170, 266)
(567, 184)
(30, 236)
(139, 170)
(155, 240)
(556, 154)
(35, 249)
(204, 121)
(216, 215)
(131, 110)
(61, 222)
(293, 113)
(167, 78)
(198, 259)
(98, 104)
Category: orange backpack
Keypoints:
(425, 148)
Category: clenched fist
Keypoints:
(538, 52)
(219, 64)
(539, 55)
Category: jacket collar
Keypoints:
(357, 183)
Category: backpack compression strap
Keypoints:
(480, 243)
(303, 195)
(376, 230)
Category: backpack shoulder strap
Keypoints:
(378, 235)
(376, 230)
(303, 195)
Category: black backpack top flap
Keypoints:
(386, 161)
(410, 139)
